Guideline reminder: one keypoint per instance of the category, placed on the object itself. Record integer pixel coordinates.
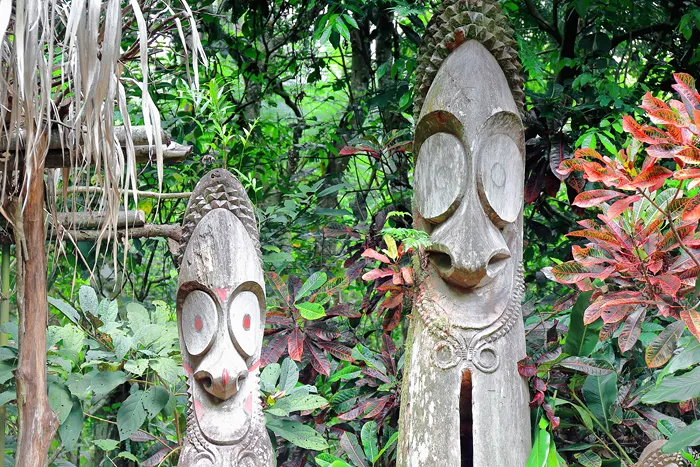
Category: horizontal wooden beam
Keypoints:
(171, 232)
(95, 220)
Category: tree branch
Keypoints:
(618, 39)
(552, 30)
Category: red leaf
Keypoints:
(592, 313)
(651, 178)
(274, 349)
(295, 345)
(393, 300)
(318, 359)
(352, 414)
(691, 211)
(376, 274)
(621, 205)
(350, 150)
(553, 419)
(668, 283)
(591, 198)
(370, 253)
(374, 408)
(391, 319)
(632, 329)
(664, 150)
(527, 368)
(389, 344)
(691, 318)
(343, 309)
(407, 274)
(337, 350)
(685, 174)
(537, 400)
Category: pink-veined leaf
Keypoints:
(651, 178)
(344, 309)
(621, 205)
(668, 283)
(407, 274)
(691, 210)
(664, 150)
(338, 350)
(274, 349)
(571, 272)
(691, 318)
(660, 350)
(591, 198)
(318, 359)
(377, 274)
(632, 329)
(295, 344)
(393, 300)
(370, 253)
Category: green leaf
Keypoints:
(368, 435)
(297, 433)
(106, 444)
(7, 396)
(347, 372)
(683, 438)
(167, 368)
(105, 381)
(128, 455)
(589, 459)
(269, 377)
(675, 388)
(60, 401)
(311, 311)
(590, 366)
(70, 430)
(65, 308)
(131, 415)
(137, 316)
(349, 444)
(154, 399)
(688, 357)
(388, 444)
(289, 375)
(314, 282)
(581, 339)
(540, 447)
(600, 393)
(137, 367)
(108, 310)
(88, 299)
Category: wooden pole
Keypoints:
(4, 318)
(37, 422)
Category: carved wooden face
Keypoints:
(468, 185)
(221, 306)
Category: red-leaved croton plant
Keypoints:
(644, 247)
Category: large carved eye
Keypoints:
(501, 168)
(199, 321)
(244, 315)
(439, 177)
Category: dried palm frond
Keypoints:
(64, 70)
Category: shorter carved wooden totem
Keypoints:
(221, 319)
(463, 402)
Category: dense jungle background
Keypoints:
(310, 103)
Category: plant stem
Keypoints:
(603, 429)
(4, 318)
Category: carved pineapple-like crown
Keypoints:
(219, 189)
(457, 21)
(653, 457)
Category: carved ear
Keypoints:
(500, 167)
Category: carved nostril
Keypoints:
(204, 379)
(497, 262)
(442, 261)
(241, 379)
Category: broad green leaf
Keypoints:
(104, 382)
(154, 399)
(311, 311)
(123, 343)
(65, 308)
(128, 455)
(600, 393)
(7, 396)
(675, 388)
(349, 444)
(688, 357)
(137, 316)
(314, 282)
(131, 415)
(297, 433)
(88, 299)
(269, 377)
(7, 353)
(368, 435)
(60, 401)
(581, 339)
(148, 334)
(683, 438)
(289, 375)
(167, 368)
(106, 444)
(347, 372)
(540, 447)
(161, 314)
(585, 416)
(661, 349)
(70, 430)
(589, 459)
(108, 310)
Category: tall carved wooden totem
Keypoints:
(221, 319)
(463, 401)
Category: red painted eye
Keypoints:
(246, 322)
(198, 323)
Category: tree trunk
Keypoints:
(37, 422)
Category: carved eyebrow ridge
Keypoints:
(438, 121)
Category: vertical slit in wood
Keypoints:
(466, 435)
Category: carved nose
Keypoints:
(222, 387)
(468, 269)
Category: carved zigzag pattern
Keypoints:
(218, 196)
(455, 22)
